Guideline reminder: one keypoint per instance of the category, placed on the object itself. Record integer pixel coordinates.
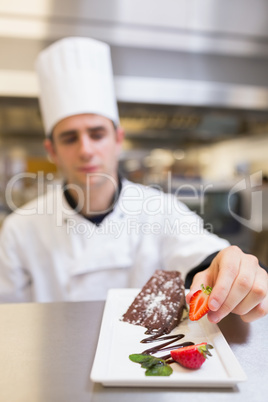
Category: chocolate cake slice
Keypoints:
(159, 305)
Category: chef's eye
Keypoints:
(69, 139)
(97, 135)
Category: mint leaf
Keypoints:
(152, 362)
(140, 358)
(153, 365)
(163, 370)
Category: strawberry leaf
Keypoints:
(204, 349)
(207, 290)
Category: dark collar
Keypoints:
(96, 219)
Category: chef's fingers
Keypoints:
(225, 267)
(238, 287)
(258, 297)
(228, 261)
(259, 311)
(256, 294)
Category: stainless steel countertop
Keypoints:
(47, 350)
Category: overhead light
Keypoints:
(179, 154)
(162, 157)
(149, 162)
(131, 165)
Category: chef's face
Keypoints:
(85, 148)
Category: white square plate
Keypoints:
(118, 339)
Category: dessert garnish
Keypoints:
(164, 346)
(192, 357)
(159, 366)
(199, 303)
(153, 365)
(187, 354)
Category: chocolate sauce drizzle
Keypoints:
(164, 346)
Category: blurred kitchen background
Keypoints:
(191, 80)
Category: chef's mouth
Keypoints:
(88, 169)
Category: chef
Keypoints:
(96, 230)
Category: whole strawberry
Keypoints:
(199, 303)
(192, 357)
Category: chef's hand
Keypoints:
(239, 285)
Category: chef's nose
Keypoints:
(86, 145)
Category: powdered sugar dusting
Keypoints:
(160, 303)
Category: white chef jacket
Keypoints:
(49, 252)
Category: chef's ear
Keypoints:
(49, 147)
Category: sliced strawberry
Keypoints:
(199, 303)
(193, 356)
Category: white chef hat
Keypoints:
(75, 76)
